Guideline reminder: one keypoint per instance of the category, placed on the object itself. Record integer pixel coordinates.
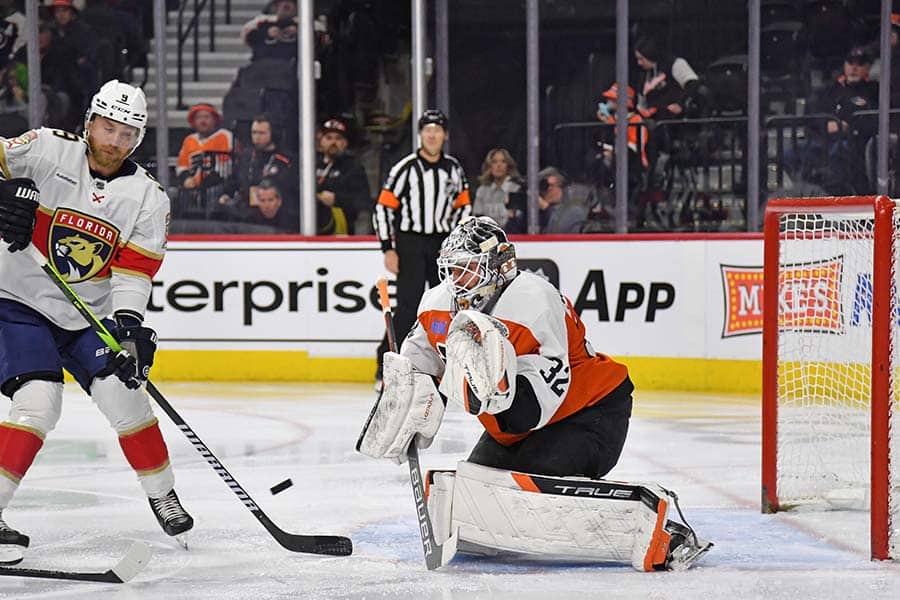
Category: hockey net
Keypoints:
(830, 360)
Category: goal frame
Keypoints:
(882, 209)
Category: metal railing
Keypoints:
(192, 29)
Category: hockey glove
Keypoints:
(19, 199)
(132, 364)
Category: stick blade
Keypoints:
(330, 545)
(132, 563)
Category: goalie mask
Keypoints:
(120, 102)
(476, 262)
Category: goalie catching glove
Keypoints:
(481, 364)
(409, 406)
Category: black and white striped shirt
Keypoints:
(421, 197)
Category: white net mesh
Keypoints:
(824, 362)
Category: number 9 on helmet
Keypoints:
(120, 102)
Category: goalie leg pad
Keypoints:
(481, 364)
(561, 517)
(409, 406)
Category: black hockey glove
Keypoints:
(132, 364)
(19, 199)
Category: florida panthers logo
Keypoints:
(80, 246)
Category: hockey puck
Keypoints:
(280, 487)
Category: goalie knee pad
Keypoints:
(439, 492)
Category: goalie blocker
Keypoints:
(494, 510)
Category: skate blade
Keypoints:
(11, 554)
(685, 561)
(182, 539)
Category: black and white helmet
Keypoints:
(476, 262)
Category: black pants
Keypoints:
(586, 444)
(417, 254)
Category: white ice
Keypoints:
(81, 505)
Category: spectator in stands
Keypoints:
(895, 60)
(342, 189)
(204, 163)
(81, 41)
(60, 83)
(272, 210)
(638, 136)
(834, 156)
(13, 28)
(668, 87)
(13, 97)
(273, 35)
(264, 159)
(551, 185)
(500, 179)
(121, 40)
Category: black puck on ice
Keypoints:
(280, 487)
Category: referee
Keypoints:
(424, 197)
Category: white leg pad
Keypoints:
(554, 517)
(125, 409)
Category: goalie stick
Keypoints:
(436, 555)
(130, 565)
(333, 545)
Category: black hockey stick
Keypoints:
(131, 564)
(436, 555)
(314, 544)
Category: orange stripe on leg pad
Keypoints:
(145, 449)
(18, 447)
(525, 482)
(658, 548)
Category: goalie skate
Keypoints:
(685, 548)
(172, 517)
(12, 544)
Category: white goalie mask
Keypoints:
(476, 262)
(120, 102)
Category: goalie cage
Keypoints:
(830, 360)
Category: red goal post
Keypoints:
(829, 359)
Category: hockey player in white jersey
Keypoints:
(101, 220)
(510, 349)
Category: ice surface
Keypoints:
(82, 506)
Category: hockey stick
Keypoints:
(436, 555)
(314, 544)
(131, 564)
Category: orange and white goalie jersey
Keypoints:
(551, 350)
(106, 237)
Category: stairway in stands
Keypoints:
(216, 69)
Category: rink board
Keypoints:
(683, 312)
